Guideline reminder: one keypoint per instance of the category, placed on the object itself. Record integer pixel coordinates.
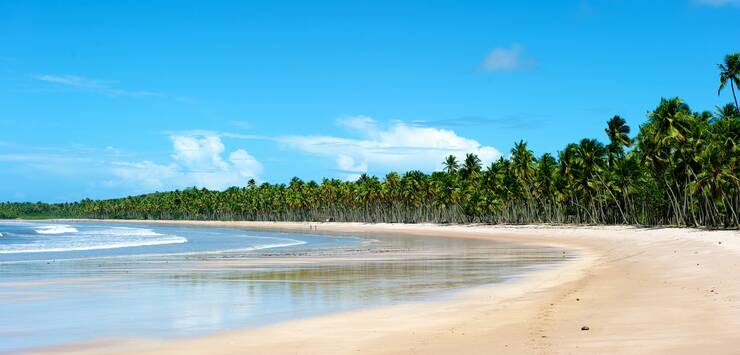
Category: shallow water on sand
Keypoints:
(223, 278)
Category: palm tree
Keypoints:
(717, 178)
(665, 130)
(727, 112)
(590, 158)
(627, 173)
(618, 132)
(545, 176)
(522, 159)
(545, 183)
(471, 166)
(730, 71)
(666, 142)
(451, 165)
(590, 161)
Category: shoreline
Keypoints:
(639, 290)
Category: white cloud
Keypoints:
(245, 164)
(198, 153)
(506, 59)
(350, 169)
(719, 3)
(197, 160)
(145, 174)
(399, 146)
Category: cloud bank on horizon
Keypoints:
(200, 158)
(393, 146)
(197, 160)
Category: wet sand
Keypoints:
(658, 290)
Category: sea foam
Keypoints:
(288, 243)
(63, 238)
(173, 240)
(55, 229)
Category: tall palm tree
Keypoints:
(618, 132)
(627, 173)
(451, 165)
(730, 71)
(471, 166)
(545, 175)
(545, 183)
(522, 159)
(717, 177)
(665, 130)
(590, 160)
(727, 112)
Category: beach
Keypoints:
(635, 290)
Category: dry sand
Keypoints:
(640, 291)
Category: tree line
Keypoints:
(681, 168)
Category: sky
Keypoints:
(104, 99)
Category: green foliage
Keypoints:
(729, 72)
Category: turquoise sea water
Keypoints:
(67, 282)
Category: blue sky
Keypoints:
(99, 99)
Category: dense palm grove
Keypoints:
(681, 168)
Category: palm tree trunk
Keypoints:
(732, 86)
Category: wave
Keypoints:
(50, 238)
(161, 241)
(55, 229)
(293, 242)
(58, 238)
(123, 231)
